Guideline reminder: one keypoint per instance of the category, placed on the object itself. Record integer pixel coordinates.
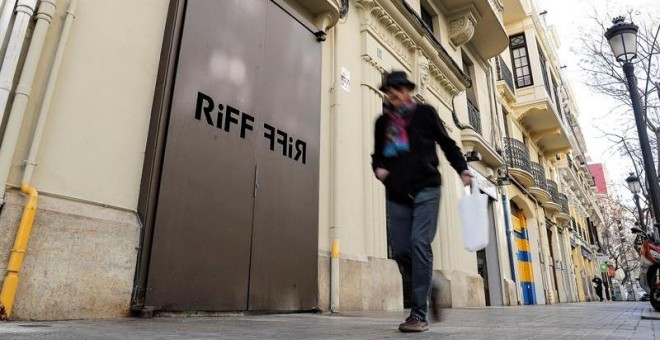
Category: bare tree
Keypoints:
(618, 242)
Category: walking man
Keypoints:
(599, 287)
(405, 160)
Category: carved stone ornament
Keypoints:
(461, 29)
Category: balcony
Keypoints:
(514, 11)
(553, 205)
(564, 214)
(475, 117)
(480, 20)
(540, 187)
(473, 139)
(505, 79)
(571, 174)
(517, 159)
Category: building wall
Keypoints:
(599, 175)
(81, 259)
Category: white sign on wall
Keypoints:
(345, 79)
(488, 187)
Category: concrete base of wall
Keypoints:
(510, 293)
(369, 284)
(80, 261)
(467, 289)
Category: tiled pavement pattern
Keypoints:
(608, 320)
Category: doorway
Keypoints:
(525, 268)
(488, 263)
(236, 219)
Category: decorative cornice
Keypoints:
(375, 19)
(385, 28)
(461, 29)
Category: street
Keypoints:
(608, 320)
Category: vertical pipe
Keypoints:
(24, 12)
(23, 91)
(8, 7)
(10, 284)
(31, 161)
(334, 229)
(509, 234)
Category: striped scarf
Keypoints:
(396, 135)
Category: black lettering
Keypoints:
(270, 135)
(246, 122)
(229, 118)
(282, 141)
(219, 123)
(301, 150)
(290, 153)
(201, 100)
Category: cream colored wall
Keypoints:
(358, 207)
(93, 145)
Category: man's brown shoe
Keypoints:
(414, 324)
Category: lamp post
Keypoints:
(622, 37)
(635, 187)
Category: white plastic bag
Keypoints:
(473, 210)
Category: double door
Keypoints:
(236, 225)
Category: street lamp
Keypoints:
(635, 187)
(622, 37)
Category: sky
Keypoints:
(572, 18)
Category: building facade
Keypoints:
(215, 156)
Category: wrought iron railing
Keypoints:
(554, 191)
(475, 117)
(503, 73)
(539, 176)
(563, 201)
(517, 155)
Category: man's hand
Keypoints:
(381, 174)
(467, 177)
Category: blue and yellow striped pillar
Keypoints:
(524, 259)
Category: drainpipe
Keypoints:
(31, 161)
(5, 18)
(24, 12)
(509, 234)
(334, 216)
(23, 91)
(7, 294)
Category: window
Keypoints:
(505, 113)
(520, 58)
(471, 92)
(427, 18)
(544, 69)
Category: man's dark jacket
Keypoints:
(418, 168)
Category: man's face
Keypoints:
(397, 96)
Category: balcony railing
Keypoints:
(554, 191)
(563, 201)
(539, 176)
(503, 73)
(475, 117)
(517, 155)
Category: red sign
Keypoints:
(611, 271)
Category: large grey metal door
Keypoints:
(236, 139)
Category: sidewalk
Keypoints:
(609, 320)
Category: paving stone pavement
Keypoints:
(608, 320)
